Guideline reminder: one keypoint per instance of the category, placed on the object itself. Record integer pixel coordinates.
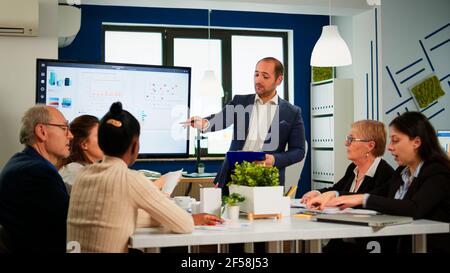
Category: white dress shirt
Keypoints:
(260, 122)
(68, 173)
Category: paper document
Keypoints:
(225, 226)
(171, 182)
(295, 203)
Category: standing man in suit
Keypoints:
(262, 122)
(33, 198)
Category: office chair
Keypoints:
(293, 172)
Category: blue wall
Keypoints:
(307, 28)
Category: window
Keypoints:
(133, 47)
(191, 52)
(232, 54)
(245, 52)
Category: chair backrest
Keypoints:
(294, 171)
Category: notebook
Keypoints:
(379, 220)
(234, 157)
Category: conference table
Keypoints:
(190, 186)
(278, 230)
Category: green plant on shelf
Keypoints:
(254, 175)
(322, 73)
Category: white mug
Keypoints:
(183, 202)
(195, 207)
(233, 213)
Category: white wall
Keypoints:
(401, 24)
(17, 75)
(360, 35)
(345, 26)
(405, 24)
(367, 100)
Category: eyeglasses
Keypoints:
(350, 139)
(65, 127)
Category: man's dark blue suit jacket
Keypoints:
(33, 204)
(287, 129)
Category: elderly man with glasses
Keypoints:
(33, 198)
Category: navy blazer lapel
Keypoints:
(364, 184)
(278, 117)
(275, 123)
(350, 182)
(396, 183)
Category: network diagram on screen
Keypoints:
(157, 96)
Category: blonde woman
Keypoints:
(366, 143)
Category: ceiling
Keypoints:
(338, 7)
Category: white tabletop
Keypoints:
(287, 228)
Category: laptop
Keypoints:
(379, 220)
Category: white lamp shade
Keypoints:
(330, 49)
(69, 22)
(210, 85)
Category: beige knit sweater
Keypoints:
(104, 207)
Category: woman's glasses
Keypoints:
(350, 139)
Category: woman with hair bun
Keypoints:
(106, 196)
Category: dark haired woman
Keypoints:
(420, 187)
(84, 149)
(106, 196)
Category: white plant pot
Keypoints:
(233, 213)
(260, 200)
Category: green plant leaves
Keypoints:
(233, 199)
(427, 91)
(322, 73)
(254, 175)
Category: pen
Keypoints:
(304, 215)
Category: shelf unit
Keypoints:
(331, 117)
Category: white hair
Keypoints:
(33, 116)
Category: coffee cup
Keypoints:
(195, 207)
(183, 202)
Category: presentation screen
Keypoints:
(444, 139)
(158, 96)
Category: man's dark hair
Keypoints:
(279, 68)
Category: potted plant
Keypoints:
(230, 203)
(200, 168)
(260, 187)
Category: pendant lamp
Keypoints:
(330, 49)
